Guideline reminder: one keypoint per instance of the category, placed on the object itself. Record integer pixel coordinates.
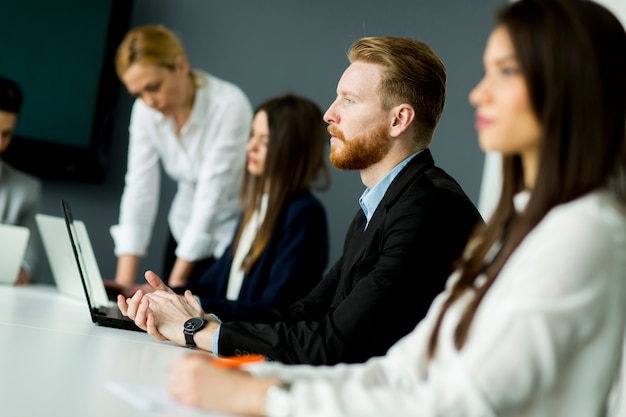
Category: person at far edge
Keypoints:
(20, 192)
(197, 126)
(413, 224)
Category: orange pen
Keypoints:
(236, 361)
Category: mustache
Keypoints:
(334, 131)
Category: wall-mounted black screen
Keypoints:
(61, 53)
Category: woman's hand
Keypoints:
(195, 381)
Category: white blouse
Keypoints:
(206, 160)
(248, 234)
(546, 339)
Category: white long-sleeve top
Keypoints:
(206, 160)
(249, 232)
(546, 339)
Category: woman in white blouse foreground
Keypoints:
(532, 322)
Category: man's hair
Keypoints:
(412, 73)
(10, 95)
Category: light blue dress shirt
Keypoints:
(371, 198)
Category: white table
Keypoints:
(55, 362)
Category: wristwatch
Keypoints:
(192, 326)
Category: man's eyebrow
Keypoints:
(347, 93)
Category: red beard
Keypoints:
(359, 152)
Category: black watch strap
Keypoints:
(192, 326)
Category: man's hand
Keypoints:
(167, 312)
(130, 306)
(161, 313)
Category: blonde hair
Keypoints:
(148, 45)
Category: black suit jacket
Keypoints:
(383, 284)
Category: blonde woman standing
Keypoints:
(196, 126)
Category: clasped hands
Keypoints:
(163, 313)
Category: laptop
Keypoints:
(13, 242)
(102, 313)
(58, 249)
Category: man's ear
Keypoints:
(403, 116)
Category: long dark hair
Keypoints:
(295, 161)
(572, 55)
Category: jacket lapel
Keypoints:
(358, 239)
(398, 185)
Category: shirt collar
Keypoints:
(371, 198)
(200, 104)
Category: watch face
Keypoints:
(194, 323)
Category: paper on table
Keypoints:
(153, 398)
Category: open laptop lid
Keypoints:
(81, 247)
(78, 256)
(58, 249)
(13, 242)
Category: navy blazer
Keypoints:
(383, 284)
(292, 263)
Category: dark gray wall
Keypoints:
(274, 46)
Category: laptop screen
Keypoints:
(74, 229)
